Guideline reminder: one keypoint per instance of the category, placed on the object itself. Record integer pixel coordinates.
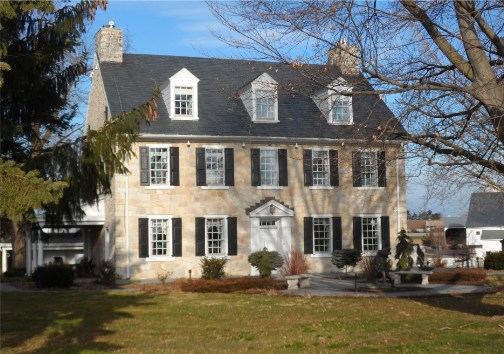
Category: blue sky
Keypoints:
(183, 28)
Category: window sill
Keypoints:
(369, 187)
(160, 259)
(369, 253)
(340, 123)
(159, 187)
(321, 187)
(270, 187)
(321, 255)
(184, 118)
(214, 187)
(265, 121)
(215, 256)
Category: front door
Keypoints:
(270, 234)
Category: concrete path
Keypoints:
(328, 285)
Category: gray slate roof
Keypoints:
(486, 210)
(222, 112)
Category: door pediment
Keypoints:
(270, 207)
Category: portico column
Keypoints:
(29, 255)
(40, 251)
(4, 259)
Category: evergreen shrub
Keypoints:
(213, 268)
(53, 275)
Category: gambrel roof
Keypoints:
(486, 210)
(222, 112)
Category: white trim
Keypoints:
(264, 82)
(379, 230)
(183, 78)
(160, 259)
(169, 233)
(271, 187)
(370, 187)
(214, 187)
(331, 235)
(321, 187)
(225, 245)
(165, 185)
(206, 146)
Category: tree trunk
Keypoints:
(18, 246)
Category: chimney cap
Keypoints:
(111, 24)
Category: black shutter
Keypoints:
(177, 237)
(174, 166)
(283, 176)
(229, 166)
(144, 166)
(308, 168)
(385, 232)
(200, 237)
(255, 163)
(334, 170)
(143, 238)
(232, 236)
(382, 169)
(308, 235)
(200, 167)
(357, 233)
(337, 234)
(356, 169)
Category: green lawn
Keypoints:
(148, 322)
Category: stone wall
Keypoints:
(188, 201)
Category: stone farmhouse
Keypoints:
(245, 155)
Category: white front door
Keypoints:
(268, 236)
(274, 234)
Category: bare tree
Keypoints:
(438, 64)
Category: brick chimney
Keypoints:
(109, 43)
(345, 56)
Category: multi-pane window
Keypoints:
(341, 109)
(267, 224)
(265, 105)
(214, 160)
(269, 167)
(183, 101)
(321, 235)
(159, 237)
(215, 236)
(370, 234)
(320, 161)
(159, 158)
(369, 169)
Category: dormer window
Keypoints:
(341, 109)
(260, 98)
(183, 101)
(181, 96)
(265, 105)
(334, 105)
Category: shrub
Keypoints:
(163, 274)
(213, 268)
(107, 274)
(494, 260)
(367, 267)
(346, 257)
(459, 276)
(53, 275)
(294, 264)
(230, 285)
(265, 261)
(16, 273)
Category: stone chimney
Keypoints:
(109, 43)
(345, 56)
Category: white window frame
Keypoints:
(166, 185)
(184, 78)
(221, 149)
(334, 95)
(328, 179)
(373, 182)
(225, 240)
(336, 100)
(260, 93)
(378, 233)
(169, 233)
(264, 83)
(263, 184)
(187, 91)
(331, 230)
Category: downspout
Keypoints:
(126, 221)
(398, 194)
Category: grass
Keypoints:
(155, 321)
